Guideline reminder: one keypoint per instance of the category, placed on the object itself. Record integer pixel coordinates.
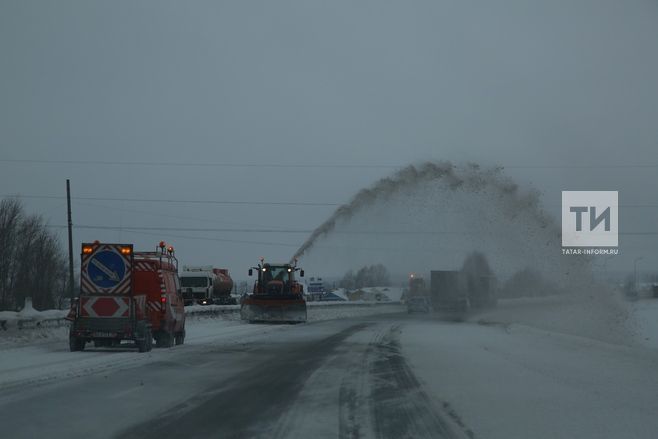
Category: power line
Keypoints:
(204, 238)
(260, 230)
(256, 230)
(226, 202)
(609, 166)
(306, 165)
(157, 213)
(184, 229)
(179, 201)
(306, 231)
(200, 164)
(285, 244)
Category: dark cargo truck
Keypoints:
(456, 293)
(448, 290)
(481, 291)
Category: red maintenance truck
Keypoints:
(127, 295)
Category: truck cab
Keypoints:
(196, 284)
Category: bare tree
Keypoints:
(368, 276)
(31, 261)
(348, 281)
(10, 217)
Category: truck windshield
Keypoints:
(194, 282)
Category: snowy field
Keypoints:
(645, 316)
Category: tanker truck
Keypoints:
(206, 285)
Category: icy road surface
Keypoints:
(386, 376)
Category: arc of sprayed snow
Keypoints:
(406, 177)
(412, 176)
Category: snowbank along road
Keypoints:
(384, 376)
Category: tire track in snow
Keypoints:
(400, 407)
(252, 403)
(365, 390)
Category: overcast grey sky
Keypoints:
(518, 83)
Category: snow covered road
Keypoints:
(517, 381)
(36, 356)
(385, 376)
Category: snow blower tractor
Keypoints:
(276, 297)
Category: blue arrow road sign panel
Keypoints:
(106, 269)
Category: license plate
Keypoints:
(104, 334)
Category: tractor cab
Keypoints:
(276, 279)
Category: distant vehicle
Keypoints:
(126, 295)
(206, 285)
(276, 297)
(456, 293)
(418, 304)
(448, 291)
(481, 291)
(417, 285)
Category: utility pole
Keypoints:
(70, 224)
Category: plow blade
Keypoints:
(273, 310)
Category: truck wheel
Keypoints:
(76, 344)
(179, 338)
(144, 345)
(164, 340)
